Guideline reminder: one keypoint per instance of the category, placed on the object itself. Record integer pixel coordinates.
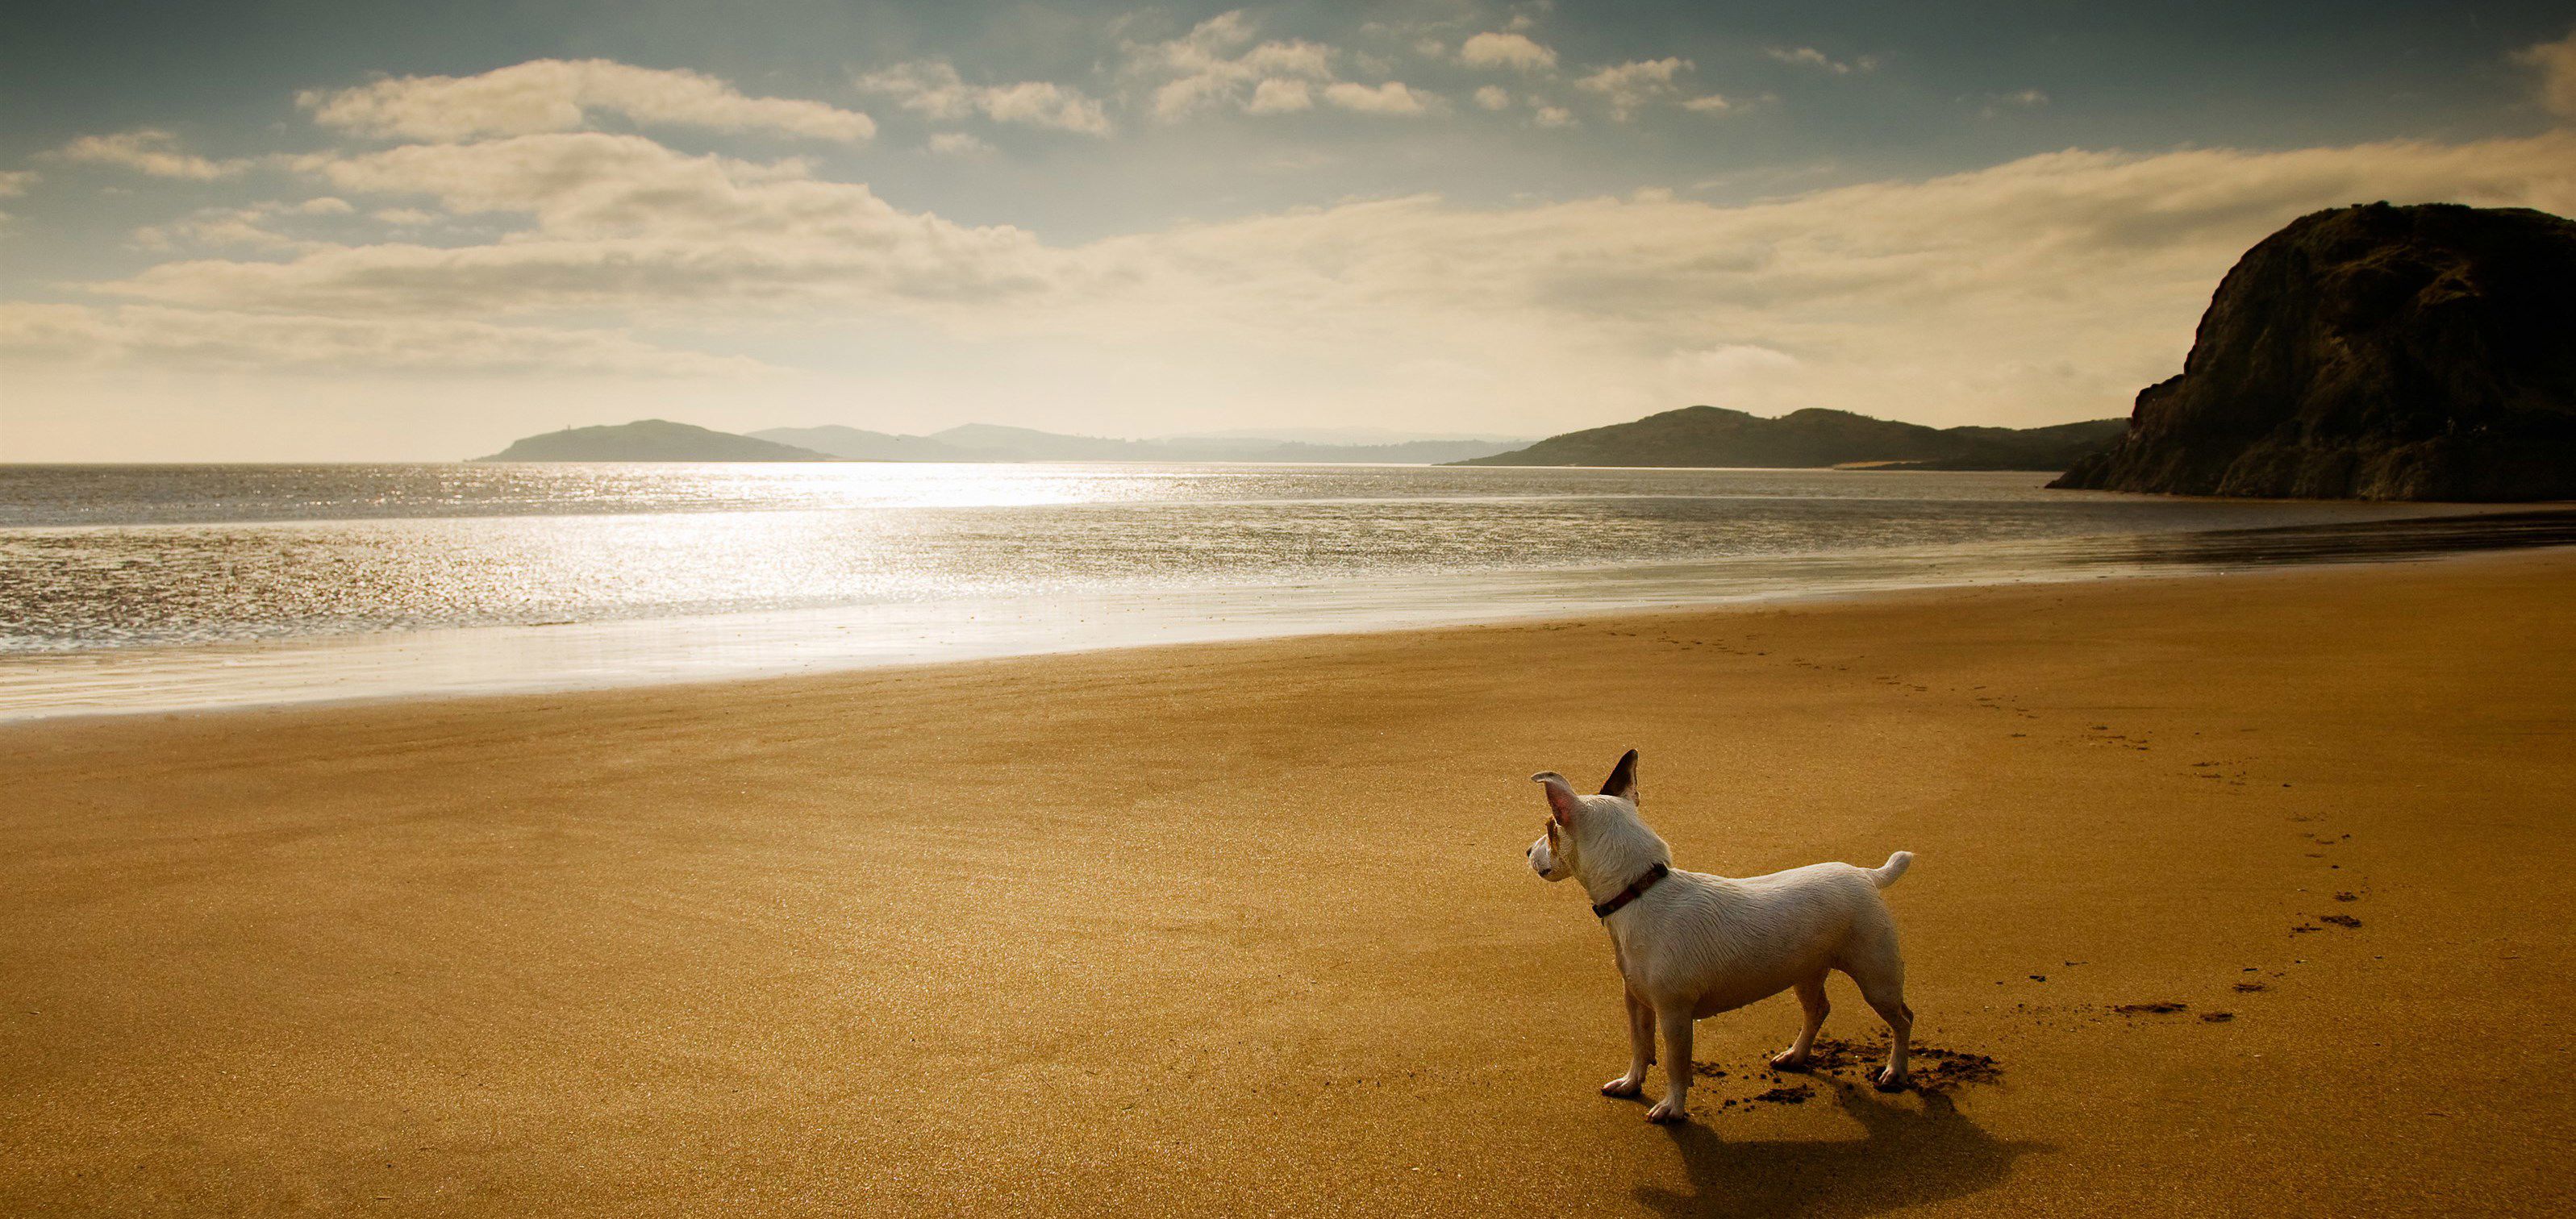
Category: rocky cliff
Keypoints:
(2378, 352)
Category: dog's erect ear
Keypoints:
(1561, 800)
(1623, 778)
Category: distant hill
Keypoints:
(993, 442)
(1693, 436)
(649, 440)
(1425, 452)
(1363, 436)
(861, 445)
(1717, 437)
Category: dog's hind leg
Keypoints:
(1641, 1049)
(1873, 961)
(1675, 1107)
(1811, 997)
(1884, 988)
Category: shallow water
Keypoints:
(144, 587)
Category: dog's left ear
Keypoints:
(1623, 778)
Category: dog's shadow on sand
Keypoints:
(1906, 1157)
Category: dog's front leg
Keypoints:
(1641, 1049)
(1675, 1106)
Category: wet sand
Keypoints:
(1242, 928)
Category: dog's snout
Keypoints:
(1544, 865)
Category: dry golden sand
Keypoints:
(1245, 928)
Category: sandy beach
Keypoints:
(1245, 928)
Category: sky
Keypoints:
(364, 231)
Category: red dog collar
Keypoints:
(1631, 893)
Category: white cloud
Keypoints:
(1728, 372)
(934, 87)
(238, 226)
(1389, 98)
(406, 217)
(15, 182)
(1707, 104)
(546, 95)
(133, 335)
(1810, 57)
(1554, 116)
(1632, 86)
(1507, 51)
(1218, 65)
(2556, 64)
(957, 144)
(1043, 104)
(1277, 96)
(1731, 360)
(2026, 99)
(241, 226)
(1494, 97)
(616, 222)
(148, 151)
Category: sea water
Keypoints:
(127, 588)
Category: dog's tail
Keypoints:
(1885, 874)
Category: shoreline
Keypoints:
(622, 654)
(1223, 927)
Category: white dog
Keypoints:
(1691, 945)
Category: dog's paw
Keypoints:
(1623, 1086)
(1889, 1079)
(1788, 1060)
(1668, 1110)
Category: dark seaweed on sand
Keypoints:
(1933, 1068)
